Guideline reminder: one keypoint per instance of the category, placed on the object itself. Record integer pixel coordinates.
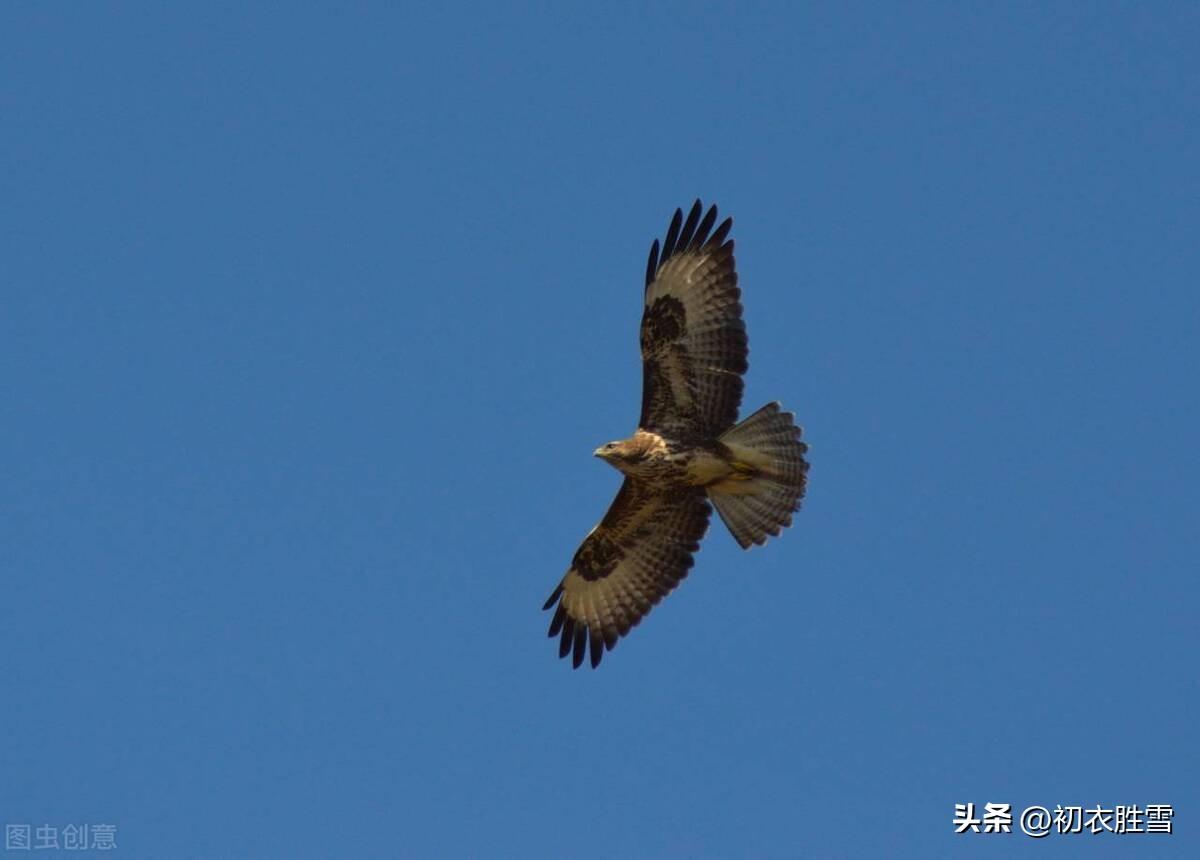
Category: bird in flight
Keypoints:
(688, 450)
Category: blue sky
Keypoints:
(312, 317)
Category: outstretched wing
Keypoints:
(694, 344)
(636, 555)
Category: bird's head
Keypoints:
(624, 454)
(612, 452)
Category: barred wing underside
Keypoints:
(694, 346)
(636, 555)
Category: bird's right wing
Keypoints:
(636, 555)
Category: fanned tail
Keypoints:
(770, 478)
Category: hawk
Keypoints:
(688, 451)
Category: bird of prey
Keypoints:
(688, 450)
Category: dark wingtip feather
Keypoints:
(553, 597)
(580, 643)
(652, 264)
(684, 236)
(568, 633)
(718, 237)
(689, 227)
(597, 650)
(556, 622)
(701, 238)
(668, 247)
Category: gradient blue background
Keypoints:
(312, 316)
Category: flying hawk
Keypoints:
(688, 449)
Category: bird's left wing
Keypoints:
(636, 555)
(694, 346)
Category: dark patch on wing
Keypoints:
(596, 557)
(601, 551)
(663, 323)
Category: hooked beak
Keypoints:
(599, 452)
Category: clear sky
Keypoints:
(312, 317)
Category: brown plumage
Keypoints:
(688, 449)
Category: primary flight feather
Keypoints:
(688, 449)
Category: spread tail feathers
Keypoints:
(770, 475)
